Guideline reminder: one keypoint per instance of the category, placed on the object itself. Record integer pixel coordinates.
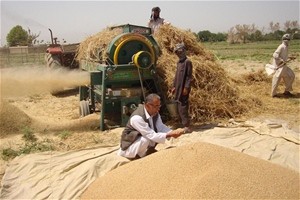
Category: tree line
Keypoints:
(18, 36)
(250, 33)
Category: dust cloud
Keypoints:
(26, 81)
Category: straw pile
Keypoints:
(94, 47)
(213, 94)
(254, 77)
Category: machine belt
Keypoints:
(140, 77)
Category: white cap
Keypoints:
(179, 46)
(286, 37)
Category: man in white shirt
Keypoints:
(145, 129)
(155, 21)
(280, 58)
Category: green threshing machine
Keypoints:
(121, 82)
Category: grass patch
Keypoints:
(64, 134)
(28, 135)
(31, 145)
(9, 153)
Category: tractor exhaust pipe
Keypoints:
(51, 35)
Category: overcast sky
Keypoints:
(76, 20)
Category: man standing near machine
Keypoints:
(145, 130)
(182, 85)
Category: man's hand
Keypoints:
(176, 133)
(281, 62)
(185, 91)
(173, 90)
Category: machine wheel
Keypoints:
(52, 61)
(84, 109)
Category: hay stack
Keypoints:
(213, 94)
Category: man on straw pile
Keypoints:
(155, 20)
(182, 85)
(280, 58)
(145, 129)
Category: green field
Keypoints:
(258, 51)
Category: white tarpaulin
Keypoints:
(55, 175)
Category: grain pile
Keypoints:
(213, 94)
(12, 119)
(197, 171)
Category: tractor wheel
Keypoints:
(52, 61)
(84, 109)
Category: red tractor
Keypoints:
(58, 55)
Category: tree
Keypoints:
(207, 36)
(290, 25)
(240, 33)
(204, 35)
(274, 26)
(17, 36)
(32, 38)
(220, 37)
(231, 36)
(274, 36)
(256, 36)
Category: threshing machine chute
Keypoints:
(119, 84)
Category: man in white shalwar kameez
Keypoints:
(145, 130)
(280, 58)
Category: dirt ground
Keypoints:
(56, 120)
(287, 109)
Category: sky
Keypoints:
(74, 21)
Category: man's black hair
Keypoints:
(156, 9)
